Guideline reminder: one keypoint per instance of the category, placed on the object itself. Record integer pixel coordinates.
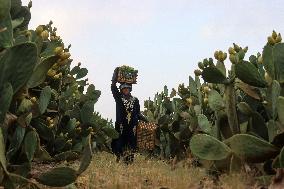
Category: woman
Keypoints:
(127, 116)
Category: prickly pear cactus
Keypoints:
(234, 117)
(46, 104)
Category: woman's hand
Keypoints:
(114, 76)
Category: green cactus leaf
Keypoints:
(23, 12)
(221, 67)
(42, 155)
(49, 50)
(280, 109)
(92, 93)
(215, 101)
(3, 160)
(244, 108)
(59, 143)
(223, 125)
(258, 126)
(31, 144)
(42, 129)
(23, 57)
(204, 124)
(87, 112)
(278, 140)
(81, 73)
(44, 99)
(39, 74)
(6, 36)
(209, 148)
(273, 93)
(248, 73)
(110, 132)
(25, 106)
(251, 148)
(6, 96)
(281, 158)
(58, 177)
(17, 22)
(68, 156)
(213, 75)
(192, 86)
(87, 156)
(71, 125)
(5, 8)
(16, 141)
(272, 130)
(273, 60)
(166, 90)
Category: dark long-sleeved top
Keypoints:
(121, 114)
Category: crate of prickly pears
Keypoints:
(127, 74)
(146, 135)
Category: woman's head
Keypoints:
(125, 88)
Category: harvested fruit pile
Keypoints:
(127, 74)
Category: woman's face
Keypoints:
(125, 91)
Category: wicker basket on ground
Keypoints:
(146, 135)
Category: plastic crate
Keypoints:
(146, 135)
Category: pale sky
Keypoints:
(163, 39)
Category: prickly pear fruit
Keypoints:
(39, 30)
(197, 72)
(233, 59)
(278, 38)
(44, 35)
(58, 50)
(271, 40)
(231, 50)
(274, 34)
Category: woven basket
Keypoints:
(123, 77)
(146, 134)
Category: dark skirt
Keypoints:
(126, 141)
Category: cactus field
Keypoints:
(224, 127)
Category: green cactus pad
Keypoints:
(209, 148)
(31, 144)
(81, 73)
(281, 158)
(6, 36)
(215, 101)
(213, 75)
(5, 99)
(251, 148)
(204, 124)
(110, 132)
(44, 99)
(68, 156)
(58, 177)
(273, 60)
(258, 126)
(87, 156)
(39, 74)
(23, 57)
(87, 112)
(5, 8)
(248, 73)
(280, 109)
(2, 151)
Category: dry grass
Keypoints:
(105, 173)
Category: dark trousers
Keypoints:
(125, 145)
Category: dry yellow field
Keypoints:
(145, 173)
